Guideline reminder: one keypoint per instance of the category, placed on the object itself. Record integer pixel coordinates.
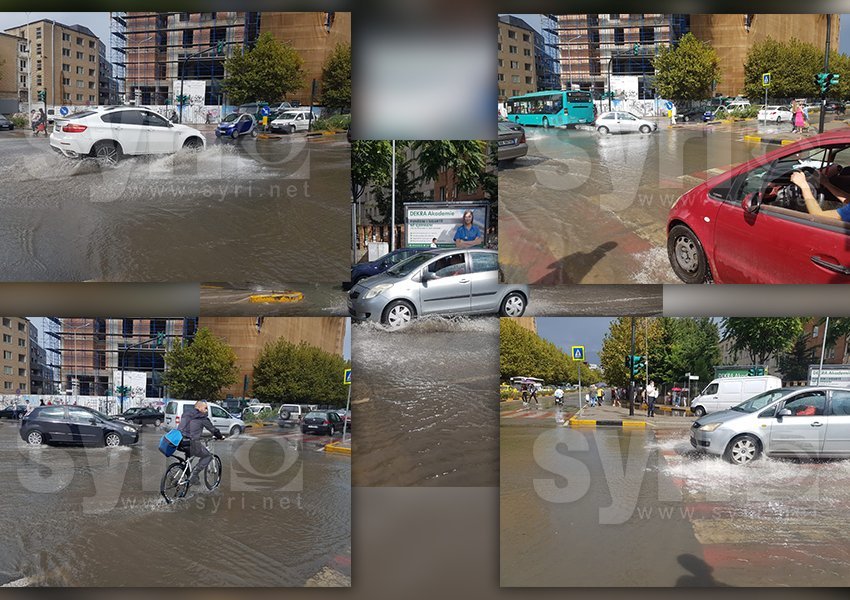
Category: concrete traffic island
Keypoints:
(616, 416)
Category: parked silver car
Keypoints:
(811, 422)
(449, 281)
(620, 121)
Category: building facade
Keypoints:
(14, 356)
(732, 36)
(14, 73)
(64, 62)
(593, 46)
(517, 71)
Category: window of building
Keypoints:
(526, 51)
(24, 79)
(91, 44)
(527, 66)
(525, 37)
(647, 35)
(127, 327)
(91, 72)
(91, 57)
(22, 327)
(80, 71)
(619, 35)
(7, 322)
(66, 52)
(91, 98)
(66, 37)
(516, 92)
(7, 385)
(502, 92)
(614, 17)
(79, 41)
(79, 56)
(528, 80)
(500, 46)
(37, 49)
(91, 85)
(7, 370)
(514, 64)
(501, 77)
(38, 65)
(501, 63)
(184, 17)
(7, 339)
(22, 343)
(22, 358)
(79, 97)
(512, 49)
(38, 80)
(66, 96)
(7, 355)
(66, 81)
(22, 372)
(157, 326)
(815, 331)
(38, 33)
(514, 78)
(66, 67)
(188, 37)
(512, 34)
(80, 83)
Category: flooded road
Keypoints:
(75, 516)
(585, 208)
(612, 300)
(573, 501)
(318, 300)
(426, 403)
(255, 210)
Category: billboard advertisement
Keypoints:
(438, 222)
(838, 375)
(137, 381)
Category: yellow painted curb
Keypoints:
(335, 448)
(786, 142)
(582, 423)
(634, 424)
(280, 297)
(752, 138)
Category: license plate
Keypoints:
(510, 142)
(312, 426)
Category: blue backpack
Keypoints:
(170, 441)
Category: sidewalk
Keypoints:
(601, 415)
(339, 447)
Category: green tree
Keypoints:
(336, 78)
(300, 374)
(267, 72)
(467, 158)
(794, 364)
(762, 337)
(200, 369)
(616, 346)
(695, 349)
(686, 71)
(406, 191)
(792, 66)
(522, 353)
(371, 164)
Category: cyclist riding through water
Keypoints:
(192, 426)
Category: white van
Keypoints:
(725, 392)
(292, 120)
(226, 423)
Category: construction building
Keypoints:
(517, 71)
(14, 356)
(592, 47)
(732, 36)
(14, 73)
(249, 335)
(64, 62)
(152, 51)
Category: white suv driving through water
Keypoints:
(109, 133)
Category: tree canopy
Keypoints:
(792, 66)
(336, 78)
(522, 353)
(267, 72)
(200, 369)
(686, 71)
(762, 337)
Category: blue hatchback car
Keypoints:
(363, 270)
(235, 125)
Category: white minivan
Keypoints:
(725, 392)
(226, 423)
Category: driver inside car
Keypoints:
(798, 178)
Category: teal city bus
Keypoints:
(552, 109)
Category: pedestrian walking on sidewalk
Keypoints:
(524, 389)
(799, 120)
(651, 397)
(673, 115)
(600, 396)
(534, 396)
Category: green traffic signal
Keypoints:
(220, 48)
(636, 49)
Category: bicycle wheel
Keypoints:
(171, 486)
(212, 474)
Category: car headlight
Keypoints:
(130, 429)
(710, 427)
(378, 289)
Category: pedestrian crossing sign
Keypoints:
(347, 377)
(578, 353)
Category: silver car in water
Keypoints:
(451, 281)
(811, 422)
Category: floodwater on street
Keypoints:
(574, 500)
(317, 300)
(586, 208)
(611, 300)
(426, 401)
(254, 210)
(73, 516)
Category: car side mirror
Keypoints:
(426, 276)
(170, 124)
(93, 421)
(785, 412)
(752, 202)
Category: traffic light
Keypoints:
(160, 339)
(219, 49)
(122, 390)
(637, 365)
(42, 95)
(636, 49)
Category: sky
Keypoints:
(575, 331)
(98, 22)
(843, 32)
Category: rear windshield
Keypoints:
(316, 415)
(80, 115)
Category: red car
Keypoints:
(750, 225)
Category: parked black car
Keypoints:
(143, 416)
(6, 123)
(13, 411)
(75, 425)
(323, 422)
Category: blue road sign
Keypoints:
(347, 378)
(577, 352)
(265, 111)
(64, 111)
(765, 79)
(669, 105)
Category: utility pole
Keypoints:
(632, 373)
(825, 70)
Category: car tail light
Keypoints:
(177, 420)
(522, 138)
(71, 128)
(326, 422)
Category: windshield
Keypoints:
(316, 415)
(288, 116)
(762, 400)
(406, 267)
(230, 118)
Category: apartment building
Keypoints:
(517, 71)
(14, 356)
(14, 73)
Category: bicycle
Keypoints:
(177, 477)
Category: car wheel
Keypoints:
(193, 143)
(234, 134)
(34, 438)
(645, 128)
(112, 440)
(157, 423)
(603, 130)
(254, 132)
(303, 430)
(291, 129)
(106, 153)
(284, 415)
(742, 450)
(235, 430)
(699, 411)
(397, 314)
(778, 120)
(513, 305)
(545, 123)
(686, 118)
(686, 255)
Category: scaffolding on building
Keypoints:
(548, 25)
